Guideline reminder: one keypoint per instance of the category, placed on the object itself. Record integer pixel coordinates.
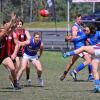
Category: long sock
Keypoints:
(96, 83)
(90, 70)
(65, 72)
(80, 67)
(15, 81)
(27, 77)
(71, 53)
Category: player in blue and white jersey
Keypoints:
(77, 31)
(93, 38)
(30, 53)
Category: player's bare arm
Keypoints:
(13, 26)
(16, 47)
(41, 50)
(25, 43)
(74, 31)
(5, 29)
(27, 34)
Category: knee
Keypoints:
(94, 70)
(40, 69)
(83, 48)
(71, 63)
(12, 69)
(89, 61)
(22, 69)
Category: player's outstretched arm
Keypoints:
(13, 26)
(3, 30)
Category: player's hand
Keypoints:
(17, 21)
(13, 56)
(13, 16)
(68, 38)
(39, 56)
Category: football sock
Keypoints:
(39, 76)
(80, 67)
(72, 53)
(96, 83)
(27, 77)
(65, 72)
(90, 70)
(15, 81)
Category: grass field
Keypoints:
(46, 24)
(53, 66)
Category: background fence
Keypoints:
(53, 40)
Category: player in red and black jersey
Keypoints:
(22, 35)
(4, 58)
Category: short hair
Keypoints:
(78, 15)
(21, 21)
(37, 33)
(92, 28)
(5, 21)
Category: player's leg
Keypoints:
(72, 61)
(17, 63)
(23, 67)
(28, 74)
(27, 71)
(16, 67)
(10, 77)
(90, 77)
(88, 49)
(87, 61)
(95, 64)
(8, 62)
(38, 66)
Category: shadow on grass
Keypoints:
(8, 88)
(9, 91)
(82, 80)
(80, 91)
(33, 86)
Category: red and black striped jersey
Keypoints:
(11, 44)
(3, 47)
(21, 37)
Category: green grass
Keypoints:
(46, 24)
(53, 65)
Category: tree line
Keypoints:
(29, 10)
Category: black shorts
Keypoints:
(1, 60)
(19, 55)
(14, 61)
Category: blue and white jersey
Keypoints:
(79, 33)
(92, 39)
(32, 48)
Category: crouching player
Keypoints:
(30, 53)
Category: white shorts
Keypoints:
(82, 54)
(97, 54)
(30, 58)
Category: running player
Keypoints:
(22, 34)
(30, 53)
(93, 38)
(11, 45)
(4, 58)
(76, 31)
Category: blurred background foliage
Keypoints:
(24, 9)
